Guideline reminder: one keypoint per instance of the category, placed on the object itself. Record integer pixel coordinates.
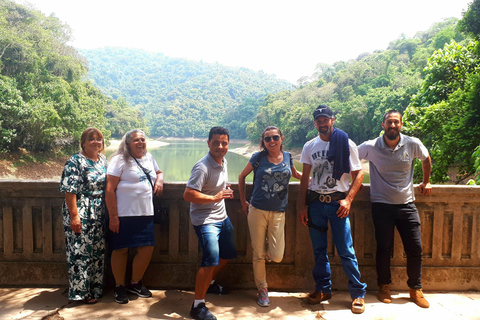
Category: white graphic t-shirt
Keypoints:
(314, 153)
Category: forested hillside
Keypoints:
(359, 90)
(45, 100)
(180, 97)
(433, 77)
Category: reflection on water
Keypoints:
(177, 159)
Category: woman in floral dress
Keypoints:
(83, 182)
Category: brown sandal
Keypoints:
(90, 301)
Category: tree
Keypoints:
(445, 112)
(45, 100)
(470, 22)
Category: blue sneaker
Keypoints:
(201, 313)
(263, 300)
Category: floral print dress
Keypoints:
(86, 250)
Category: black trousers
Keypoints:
(405, 217)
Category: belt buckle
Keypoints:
(325, 198)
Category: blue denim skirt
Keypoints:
(133, 232)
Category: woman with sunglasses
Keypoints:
(265, 213)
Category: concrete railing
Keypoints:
(32, 249)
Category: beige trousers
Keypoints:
(267, 232)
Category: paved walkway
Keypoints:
(50, 304)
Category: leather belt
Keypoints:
(325, 197)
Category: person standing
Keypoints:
(265, 213)
(130, 207)
(391, 159)
(332, 158)
(83, 182)
(206, 191)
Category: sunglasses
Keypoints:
(275, 138)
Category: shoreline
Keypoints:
(26, 166)
(151, 144)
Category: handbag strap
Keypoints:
(144, 171)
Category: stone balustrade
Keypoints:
(32, 249)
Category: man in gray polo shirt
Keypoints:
(391, 159)
(206, 191)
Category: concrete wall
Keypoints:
(32, 250)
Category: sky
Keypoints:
(285, 38)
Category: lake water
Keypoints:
(178, 157)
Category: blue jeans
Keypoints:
(405, 217)
(320, 213)
(217, 241)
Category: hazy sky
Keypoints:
(286, 38)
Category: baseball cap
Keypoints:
(322, 110)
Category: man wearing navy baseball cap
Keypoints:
(332, 158)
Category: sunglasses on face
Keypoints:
(275, 138)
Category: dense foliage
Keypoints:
(180, 97)
(45, 100)
(359, 90)
(433, 78)
(445, 113)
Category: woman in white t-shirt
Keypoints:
(128, 196)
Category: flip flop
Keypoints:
(90, 301)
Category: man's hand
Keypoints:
(425, 189)
(224, 194)
(302, 215)
(344, 209)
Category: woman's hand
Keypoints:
(71, 201)
(245, 206)
(114, 224)
(76, 224)
(158, 188)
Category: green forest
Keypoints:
(432, 78)
(50, 92)
(46, 100)
(180, 97)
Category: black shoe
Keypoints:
(215, 288)
(120, 294)
(201, 313)
(139, 289)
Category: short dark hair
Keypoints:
(389, 112)
(218, 130)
